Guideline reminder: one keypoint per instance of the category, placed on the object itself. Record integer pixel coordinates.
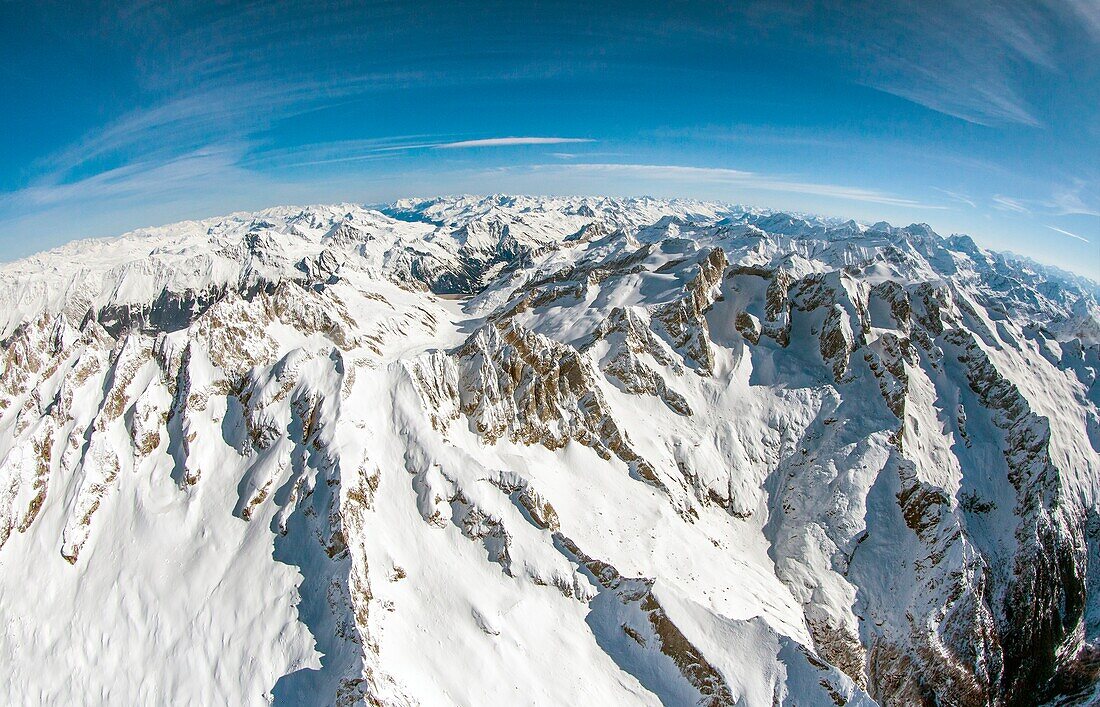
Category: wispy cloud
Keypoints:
(1067, 233)
(1064, 201)
(137, 180)
(1068, 200)
(510, 141)
(217, 114)
(977, 61)
(956, 196)
(385, 148)
(1005, 203)
(196, 184)
(992, 101)
(337, 151)
(734, 177)
(1088, 12)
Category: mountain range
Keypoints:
(541, 450)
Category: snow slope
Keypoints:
(547, 451)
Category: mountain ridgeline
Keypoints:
(520, 450)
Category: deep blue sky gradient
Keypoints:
(975, 117)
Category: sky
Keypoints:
(974, 117)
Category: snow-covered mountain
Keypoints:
(547, 451)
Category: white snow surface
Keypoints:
(290, 457)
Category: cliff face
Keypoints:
(549, 451)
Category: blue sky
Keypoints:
(981, 118)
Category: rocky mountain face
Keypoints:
(547, 451)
